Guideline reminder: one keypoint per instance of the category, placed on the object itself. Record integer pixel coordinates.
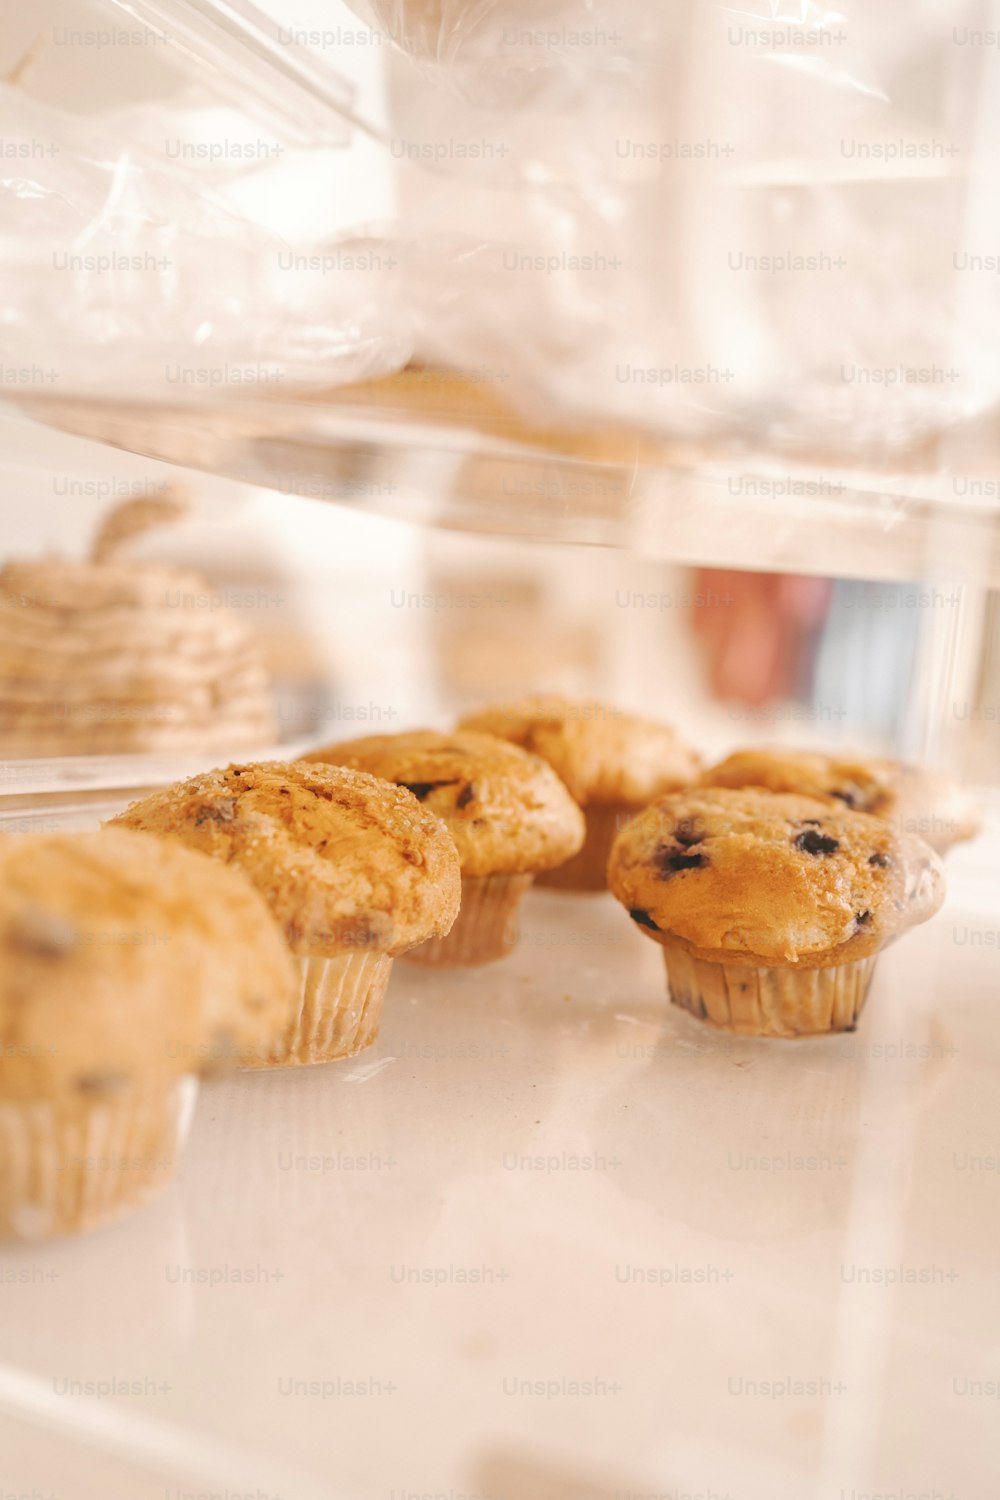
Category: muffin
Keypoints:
(354, 871)
(126, 968)
(613, 763)
(910, 798)
(112, 656)
(507, 811)
(771, 908)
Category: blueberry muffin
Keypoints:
(354, 871)
(507, 811)
(613, 763)
(771, 908)
(910, 798)
(126, 968)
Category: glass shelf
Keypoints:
(461, 459)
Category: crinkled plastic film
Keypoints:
(728, 222)
(131, 266)
(746, 224)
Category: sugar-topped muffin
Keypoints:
(126, 968)
(355, 872)
(508, 813)
(771, 908)
(911, 798)
(613, 763)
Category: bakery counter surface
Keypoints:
(550, 1237)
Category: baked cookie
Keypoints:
(613, 763)
(112, 656)
(771, 908)
(910, 798)
(508, 813)
(354, 871)
(126, 968)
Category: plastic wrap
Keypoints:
(153, 244)
(511, 53)
(500, 50)
(771, 235)
(769, 226)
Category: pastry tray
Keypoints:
(552, 1239)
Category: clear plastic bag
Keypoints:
(162, 163)
(762, 237)
(763, 226)
(123, 276)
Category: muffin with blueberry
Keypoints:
(509, 814)
(354, 871)
(613, 763)
(911, 798)
(771, 909)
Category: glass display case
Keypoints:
(549, 1237)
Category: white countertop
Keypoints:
(568, 1240)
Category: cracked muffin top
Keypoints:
(601, 753)
(506, 809)
(343, 860)
(762, 878)
(122, 959)
(912, 799)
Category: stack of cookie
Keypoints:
(110, 656)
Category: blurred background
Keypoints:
(558, 277)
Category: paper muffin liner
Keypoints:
(588, 870)
(74, 1164)
(485, 928)
(780, 1002)
(337, 1012)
